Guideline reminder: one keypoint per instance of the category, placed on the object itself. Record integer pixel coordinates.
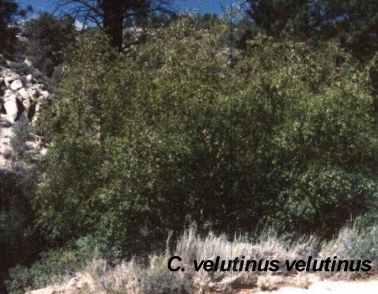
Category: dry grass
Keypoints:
(130, 277)
(155, 278)
(353, 243)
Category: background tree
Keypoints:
(48, 38)
(277, 17)
(353, 23)
(8, 13)
(112, 15)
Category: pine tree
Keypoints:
(353, 23)
(111, 15)
(8, 11)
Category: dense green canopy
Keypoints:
(169, 133)
(354, 23)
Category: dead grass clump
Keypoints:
(155, 278)
(353, 243)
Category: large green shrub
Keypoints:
(54, 266)
(171, 132)
(18, 240)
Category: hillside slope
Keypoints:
(22, 92)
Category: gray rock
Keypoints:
(45, 94)
(10, 106)
(22, 90)
(23, 93)
(29, 78)
(33, 93)
(9, 77)
(16, 85)
(27, 104)
(28, 62)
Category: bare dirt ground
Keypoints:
(326, 287)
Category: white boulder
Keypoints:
(16, 85)
(23, 93)
(29, 78)
(10, 106)
(9, 77)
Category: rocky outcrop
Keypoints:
(23, 91)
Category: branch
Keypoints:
(91, 7)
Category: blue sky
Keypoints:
(203, 6)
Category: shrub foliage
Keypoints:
(174, 131)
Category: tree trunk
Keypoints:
(114, 11)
